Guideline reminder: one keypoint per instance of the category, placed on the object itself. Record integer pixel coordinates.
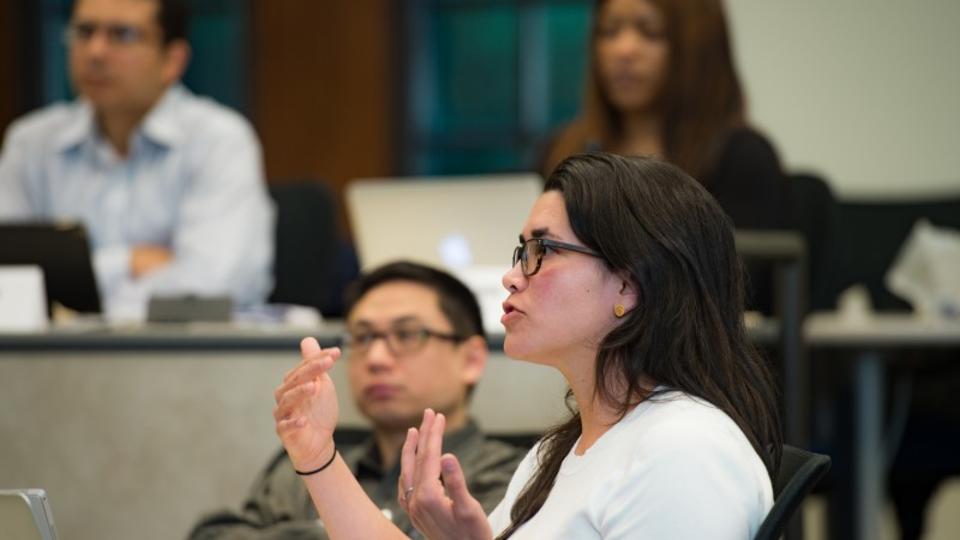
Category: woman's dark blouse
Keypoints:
(748, 182)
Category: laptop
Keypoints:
(25, 515)
(466, 224)
(62, 251)
(454, 222)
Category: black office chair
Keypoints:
(814, 212)
(313, 263)
(799, 472)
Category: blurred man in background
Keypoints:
(414, 340)
(170, 186)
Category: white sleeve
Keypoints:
(14, 201)
(112, 267)
(686, 483)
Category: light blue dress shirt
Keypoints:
(192, 182)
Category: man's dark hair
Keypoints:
(457, 302)
(172, 16)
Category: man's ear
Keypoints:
(475, 359)
(177, 58)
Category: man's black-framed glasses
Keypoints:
(530, 253)
(401, 340)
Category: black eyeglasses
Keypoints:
(401, 340)
(116, 34)
(530, 253)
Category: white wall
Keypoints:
(866, 92)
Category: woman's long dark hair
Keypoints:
(701, 102)
(654, 223)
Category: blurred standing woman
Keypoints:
(662, 82)
(627, 282)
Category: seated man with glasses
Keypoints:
(169, 185)
(414, 340)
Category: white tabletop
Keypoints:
(880, 330)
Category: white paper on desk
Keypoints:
(926, 272)
(23, 300)
(486, 284)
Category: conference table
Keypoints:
(870, 338)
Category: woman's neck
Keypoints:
(596, 418)
(640, 135)
(597, 415)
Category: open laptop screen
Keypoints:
(63, 252)
(453, 222)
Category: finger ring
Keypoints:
(407, 492)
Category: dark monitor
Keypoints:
(62, 252)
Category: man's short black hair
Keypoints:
(457, 302)
(172, 16)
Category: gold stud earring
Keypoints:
(619, 310)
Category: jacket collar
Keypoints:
(370, 464)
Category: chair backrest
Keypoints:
(812, 211)
(312, 263)
(815, 214)
(799, 473)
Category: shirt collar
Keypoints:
(79, 129)
(159, 126)
(369, 462)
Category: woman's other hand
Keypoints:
(440, 509)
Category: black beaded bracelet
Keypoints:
(322, 467)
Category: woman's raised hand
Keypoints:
(439, 510)
(306, 411)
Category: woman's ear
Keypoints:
(629, 294)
